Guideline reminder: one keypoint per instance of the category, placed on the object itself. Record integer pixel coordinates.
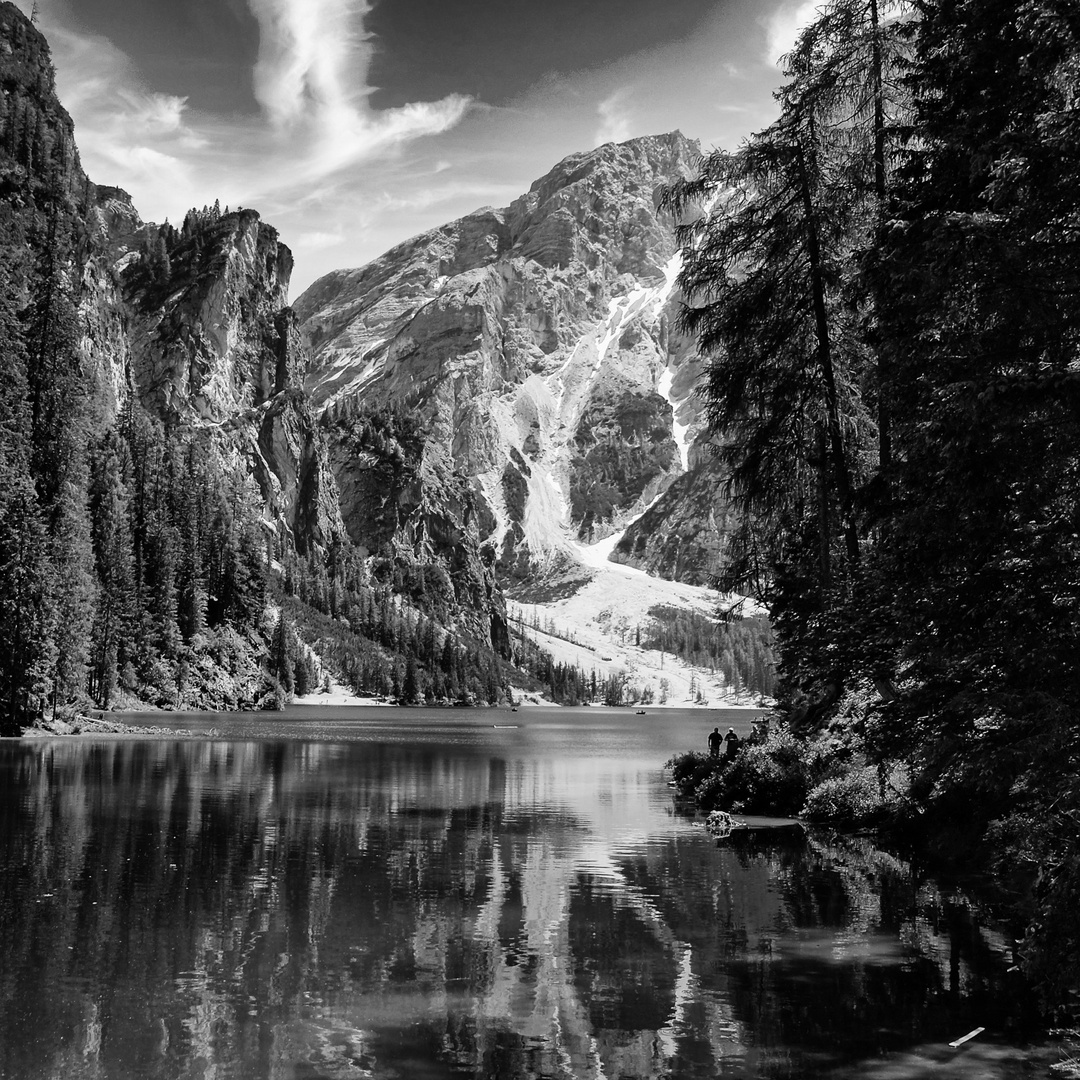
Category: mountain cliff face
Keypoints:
(196, 326)
(537, 343)
(213, 347)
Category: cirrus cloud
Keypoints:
(311, 81)
(784, 25)
(616, 122)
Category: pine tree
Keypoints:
(114, 622)
(410, 691)
(848, 66)
(75, 593)
(23, 584)
(282, 656)
(983, 353)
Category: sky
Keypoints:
(351, 125)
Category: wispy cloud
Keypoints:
(319, 241)
(311, 80)
(319, 162)
(122, 128)
(304, 48)
(784, 24)
(615, 117)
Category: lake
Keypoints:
(415, 893)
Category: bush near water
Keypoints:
(821, 779)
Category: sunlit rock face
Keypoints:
(537, 343)
(207, 337)
(210, 344)
(680, 537)
(206, 341)
(191, 326)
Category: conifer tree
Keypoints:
(114, 621)
(410, 691)
(983, 353)
(75, 593)
(282, 652)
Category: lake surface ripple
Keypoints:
(412, 894)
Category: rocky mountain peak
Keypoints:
(599, 206)
(536, 343)
(119, 225)
(208, 298)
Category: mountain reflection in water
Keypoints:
(299, 909)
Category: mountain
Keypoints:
(208, 498)
(170, 524)
(538, 344)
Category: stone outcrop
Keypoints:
(537, 344)
(402, 500)
(681, 536)
(196, 325)
(209, 338)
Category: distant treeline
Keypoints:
(740, 649)
(379, 644)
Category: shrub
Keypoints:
(770, 778)
(690, 770)
(821, 778)
(851, 798)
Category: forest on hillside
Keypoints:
(140, 563)
(886, 282)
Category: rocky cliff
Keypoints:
(537, 343)
(195, 325)
(212, 346)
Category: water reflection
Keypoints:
(294, 909)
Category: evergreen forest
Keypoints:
(886, 281)
(140, 563)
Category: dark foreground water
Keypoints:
(411, 894)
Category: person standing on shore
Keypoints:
(714, 742)
(732, 741)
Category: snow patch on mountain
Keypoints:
(678, 431)
(546, 517)
(596, 629)
(567, 392)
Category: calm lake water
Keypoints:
(446, 893)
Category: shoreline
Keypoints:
(338, 697)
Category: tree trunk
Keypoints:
(880, 192)
(825, 362)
